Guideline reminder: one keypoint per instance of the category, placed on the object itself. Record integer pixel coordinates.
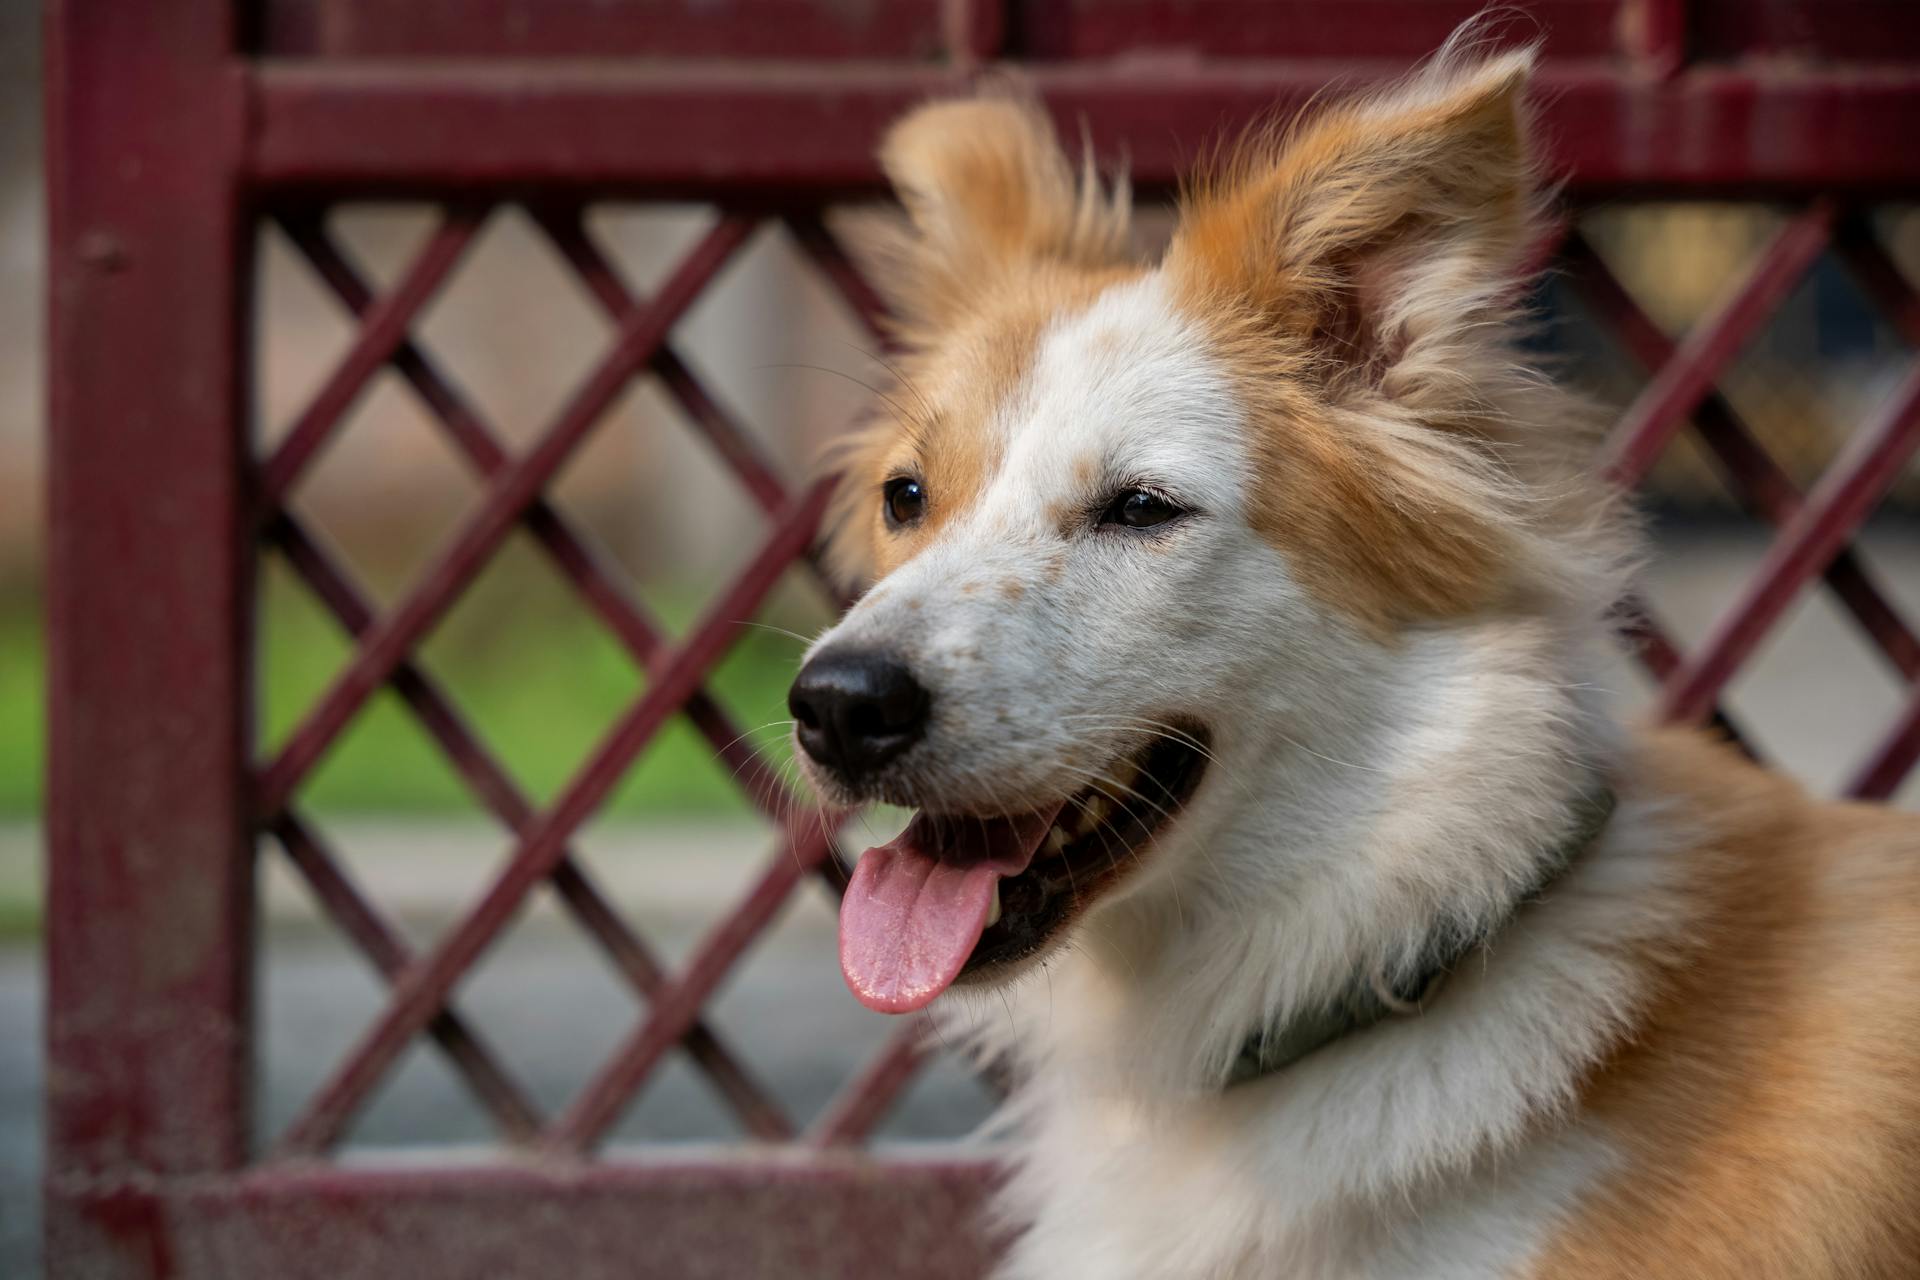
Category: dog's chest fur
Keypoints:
(1189, 1201)
(1428, 1146)
(1690, 1057)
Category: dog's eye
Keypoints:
(1139, 509)
(904, 499)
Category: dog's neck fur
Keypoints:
(1339, 840)
(1317, 869)
(1379, 992)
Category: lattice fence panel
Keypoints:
(1813, 539)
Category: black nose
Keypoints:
(857, 710)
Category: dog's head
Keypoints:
(1126, 523)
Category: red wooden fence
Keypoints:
(176, 126)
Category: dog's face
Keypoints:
(1115, 514)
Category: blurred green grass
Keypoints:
(23, 666)
(537, 678)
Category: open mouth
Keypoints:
(958, 896)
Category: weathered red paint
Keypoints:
(828, 1214)
(1679, 384)
(1893, 759)
(1754, 478)
(149, 874)
(748, 130)
(498, 793)
(513, 491)
(852, 1116)
(424, 988)
(1838, 505)
(382, 944)
(1869, 31)
(904, 30)
(171, 123)
(1661, 31)
(383, 326)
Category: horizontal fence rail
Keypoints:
(743, 130)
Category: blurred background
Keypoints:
(541, 679)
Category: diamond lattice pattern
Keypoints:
(1813, 539)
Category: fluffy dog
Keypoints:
(1234, 633)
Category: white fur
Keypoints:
(1362, 791)
(1109, 387)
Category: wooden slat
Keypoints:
(1868, 31)
(904, 29)
(712, 1218)
(1055, 30)
(150, 858)
(1402, 29)
(787, 130)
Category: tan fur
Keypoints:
(1372, 537)
(1768, 1102)
(1299, 225)
(1305, 256)
(1003, 241)
(942, 421)
(990, 193)
(1354, 280)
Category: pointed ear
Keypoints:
(988, 190)
(1381, 232)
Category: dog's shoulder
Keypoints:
(1767, 1109)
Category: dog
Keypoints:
(1235, 630)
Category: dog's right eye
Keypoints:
(1140, 509)
(905, 501)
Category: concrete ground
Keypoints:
(1815, 696)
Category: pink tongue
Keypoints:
(918, 904)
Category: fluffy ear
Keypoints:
(988, 189)
(1381, 233)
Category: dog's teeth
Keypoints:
(1056, 842)
(1098, 807)
(993, 912)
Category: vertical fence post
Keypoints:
(149, 852)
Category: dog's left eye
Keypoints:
(1140, 509)
(904, 500)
